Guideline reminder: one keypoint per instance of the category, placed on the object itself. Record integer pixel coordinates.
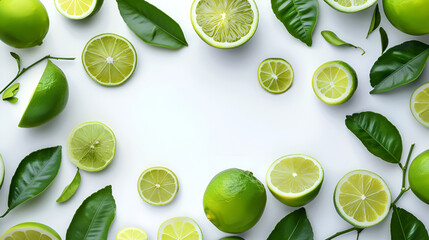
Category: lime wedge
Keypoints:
(158, 186)
(275, 75)
(30, 231)
(109, 59)
(420, 104)
(350, 5)
(91, 146)
(78, 9)
(295, 180)
(362, 198)
(334, 82)
(225, 23)
(131, 233)
(1, 171)
(180, 228)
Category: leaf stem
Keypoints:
(358, 230)
(8, 210)
(32, 65)
(404, 169)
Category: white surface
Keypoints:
(200, 110)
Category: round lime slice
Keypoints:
(275, 75)
(131, 233)
(158, 186)
(180, 228)
(420, 104)
(78, 9)
(350, 6)
(30, 231)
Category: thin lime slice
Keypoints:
(131, 233)
(334, 82)
(295, 179)
(362, 198)
(275, 75)
(350, 5)
(30, 231)
(91, 146)
(180, 228)
(1, 171)
(225, 23)
(78, 9)
(109, 59)
(158, 186)
(420, 104)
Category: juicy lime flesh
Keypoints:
(332, 82)
(131, 234)
(351, 3)
(158, 186)
(28, 235)
(75, 7)
(180, 231)
(275, 75)
(225, 20)
(421, 104)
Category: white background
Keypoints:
(200, 110)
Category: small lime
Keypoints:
(180, 228)
(158, 186)
(419, 176)
(275, 75)
(131, 233)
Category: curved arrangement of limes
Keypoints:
(180, 228)
(30, 231)
(78, 9)
(275, 75)
(420, 104)
(350, 6)
(158, 186)
(131, 233)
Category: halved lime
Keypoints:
(180, 228)
(91, 146)
(30, 231)
(334, 82)
(295, 179)
(350, 6)
(131, 233)
(362, 198)
(78, 9)
(109, 59)
(420, 104)
(275, 75)
(1, 171)
(158, 186)
(225, 23)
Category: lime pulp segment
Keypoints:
(275, 75)
(182, 228)
(76, 9)
(420, 104)
(131, 233)
(158, 186)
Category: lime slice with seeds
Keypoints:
(350, 5)
(334, 82)
(131, 233)
(225, 23)
(109, 59)
(78, 9)
(295, 179)
(91, 146)
(30, 231)
(158, 186)
(362, 198)
(180, 228)
(275, 75)
(420, 104)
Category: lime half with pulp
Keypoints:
(30, 231)
(275, 75)
(78, 9)
(158, 186)
(350, 6)
(131, 233)
(420, 104)
(180, 228)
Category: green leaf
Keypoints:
(294, 226)
(33, 176)
(18, 60)
(333, 39)
(405, 226)
(398, 66)
(93, 218)
(377, 134)
(70, 189)
(151, 24)
(10, 93)
(298, 16)
(384, 40)
(375, 22)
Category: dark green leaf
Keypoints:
(377, 134)
(93, 218)
(294, 226)
(18, 60)
(405, 226)
(11, 92)
(298, 16)
(333, 39)
(375, 22)
(11, 99)
(34, 174)
(70, 189)
(398, 66)
(151, 24)
(384, 40)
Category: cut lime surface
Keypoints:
(78, 9)
(91, 146)
(109, 59)
(225, 23)
(30, 231)
(350, 5)
(131, 233)
(1, 171)
(334, 82)
(362, 198)
(275, 75)
(180, 228)
(158, 186)
(420, 104)
(295, 179)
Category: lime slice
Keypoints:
(91, 146)
(225, 23)
(78, 9)
(275, 75)
(30, 231)
(158, 186)
(180, 228)
(109, 59)
(350, 6)
(334, 82)
(295, 179)
(1, 171)
(362, 198)
(420, 104)
(131, 233)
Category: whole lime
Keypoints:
(409, 16)
(418, 176)
(234, 200)
(232, 238)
